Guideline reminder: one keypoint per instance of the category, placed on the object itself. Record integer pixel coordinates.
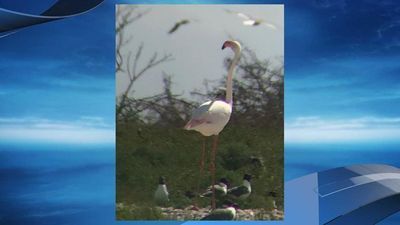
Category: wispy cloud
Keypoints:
(315, 129)
(386, 95)
(85, 130)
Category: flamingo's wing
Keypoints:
(199, 115)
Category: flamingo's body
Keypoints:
(211, 117)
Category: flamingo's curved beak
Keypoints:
(226, 44)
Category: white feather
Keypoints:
(161, 194)
(214, 115)
(249, 22)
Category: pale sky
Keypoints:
(196, 47)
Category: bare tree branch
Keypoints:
(125, 17)
(258, 94)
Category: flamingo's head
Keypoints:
(234, 45)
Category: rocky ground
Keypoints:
(188, 213)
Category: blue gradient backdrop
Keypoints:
(341, 63)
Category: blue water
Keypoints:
(58, 184)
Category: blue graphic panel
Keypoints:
(342, 58)
(12, 20)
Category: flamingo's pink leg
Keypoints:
(203, 154)
(213, 166)
(202, 159)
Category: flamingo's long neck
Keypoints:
(229, 81)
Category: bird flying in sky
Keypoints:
(177, 25)
(250, 21)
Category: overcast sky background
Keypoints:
(196, 47)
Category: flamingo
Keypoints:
(210, 118)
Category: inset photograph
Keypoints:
(199, 112)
